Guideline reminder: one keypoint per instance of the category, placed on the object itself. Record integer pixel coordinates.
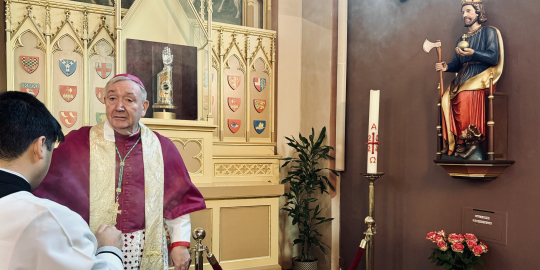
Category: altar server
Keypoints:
(38, 233)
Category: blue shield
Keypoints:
(259, 125)
(67, 66)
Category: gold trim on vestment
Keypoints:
(154, 175)
(102, 200)
(478, 82)
(102, 178)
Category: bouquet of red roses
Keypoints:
(457, 251)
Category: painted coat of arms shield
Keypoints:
(260, 83)
(68, 92)
(234, 81)
(30, 88)
(100, 117)
(68, 118)
(67, 66)
(234, 125)
(103, 69)
(100, 94)
(234, 103)
(259, 104)
(259, 126)
(29, 63)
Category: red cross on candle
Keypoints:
(373, 143)
(102, 67)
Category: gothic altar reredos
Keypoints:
(64, 52)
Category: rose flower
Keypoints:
(477, 250)
(430, 236)
(438, 238)
(442, 245)
(453, 238)
(471, 244)
(470, 236)
(458, 247)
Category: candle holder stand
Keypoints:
(368, 242)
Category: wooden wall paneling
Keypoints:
(26, 40)
(261, 69)
(29, 44)
(101, 55)
(67, 46)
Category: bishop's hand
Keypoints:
(442, 66)
(180, 258)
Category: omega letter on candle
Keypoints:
(373, 131)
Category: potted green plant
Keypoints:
(306, 177)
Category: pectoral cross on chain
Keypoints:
(114, 210)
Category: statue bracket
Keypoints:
(478, 170)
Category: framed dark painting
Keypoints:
(144, 59)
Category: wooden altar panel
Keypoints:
(260, 71)
(62, 108)
(245, 231)
(96, 82)
(29, 42)
(235, 67)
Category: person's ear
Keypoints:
(145, 104)
(39, 147)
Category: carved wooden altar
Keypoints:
(235, 168)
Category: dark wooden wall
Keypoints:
(416, 196)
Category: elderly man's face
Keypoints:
(124, 106)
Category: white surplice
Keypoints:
(40, 234)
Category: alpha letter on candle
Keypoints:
(373, 131)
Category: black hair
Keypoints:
(23, 119)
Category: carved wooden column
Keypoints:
(86, 79)
(48, 58)
(210, 117)
(268, 14)
(250, 9)
(119, 49)
(9, 48)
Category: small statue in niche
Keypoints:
(165, 88)
(472, 138)
(478, 54)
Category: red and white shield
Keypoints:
(68, 92)
(259, 104)
(234, 81)
(68, 118)
(234, 103)
(29, 63)
(100, 94)
(234, 125)
(103, 69)
(30, 88)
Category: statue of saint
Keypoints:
(479, 54)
